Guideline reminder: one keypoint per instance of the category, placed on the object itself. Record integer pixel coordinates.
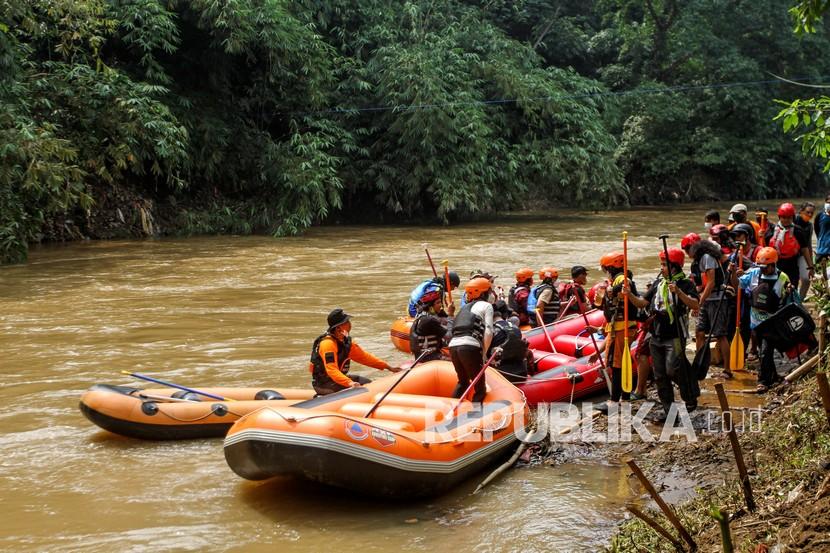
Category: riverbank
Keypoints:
(788, 461)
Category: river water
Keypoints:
(243, 311)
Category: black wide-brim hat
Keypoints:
(337, 317)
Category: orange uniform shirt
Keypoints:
(328, 352)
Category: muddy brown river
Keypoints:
(243, 311)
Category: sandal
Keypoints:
(637, 397)
(761, 389)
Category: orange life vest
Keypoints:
(785, 242)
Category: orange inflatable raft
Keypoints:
(418, 442)
(158, 414)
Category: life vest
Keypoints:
(551, 311)
(764, 297)
(318, 368)
(517, 297)
(694, 273)
(785, 242)
(508, 337)
(468, 323)
(419, 292)
(720, 272)
(572, 289)
(418, 342)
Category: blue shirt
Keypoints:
(822, 227)
(750, 280)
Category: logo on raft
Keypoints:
(383, 437)
(355, 430)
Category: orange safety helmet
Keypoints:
(613, 259)
(676, 256)
(766, 256)
(689, 239)
(477, 287)
(523, 274)
(786, 210)
(548, 273)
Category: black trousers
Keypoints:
(667, 366)
(767, 375)
(331, 387)
(468, 361)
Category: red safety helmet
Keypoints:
(676, 256)
(767, 256)
(613, 259)
(523, 274)
(477, 287)
(548, 273)
(786, 210)
(689, 239)
(430, 297)
(717, 230)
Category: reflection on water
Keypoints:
(244, 311)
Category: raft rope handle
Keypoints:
(212, 412)
(393, 432)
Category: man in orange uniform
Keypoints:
(333, 352)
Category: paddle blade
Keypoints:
(626, 368)
(703, 358)
(736, 352)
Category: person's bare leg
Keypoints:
(723, 346)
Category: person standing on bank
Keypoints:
(804, 220)
(471, 336)
(790, 242)
(821, 225)
(714, 317)
(670, 299)
(333, 352)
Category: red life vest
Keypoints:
(785, 242)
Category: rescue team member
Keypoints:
(720, 235)
(821, 225)
(430, 331)
(738, 213)
(670, 299)
(332, 354)
(472, 334)
(621, 289)
(518, 293)
(694, 269)
(713, 269)
(743, 232)
(711, 219)
(436, 283)
(575, 290)
(544, 298)
(515, 358)
(790, 243)
(493, 295)
(804, 220)
(768, 286)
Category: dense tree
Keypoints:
(126, 117)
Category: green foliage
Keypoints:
(809, 116)
(271, 116)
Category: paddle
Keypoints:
(545, 330)
(736, 349)
(473, 383)
(763, 238)
(565, 309)
(626, 354)
(598, 352)
(447, 281)
(429, 258)
(171, 385)
(398, 381)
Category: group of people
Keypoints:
(768, 265)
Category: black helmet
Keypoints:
(745, 228)
(455, 280)
(502, 308)
(336, 318)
